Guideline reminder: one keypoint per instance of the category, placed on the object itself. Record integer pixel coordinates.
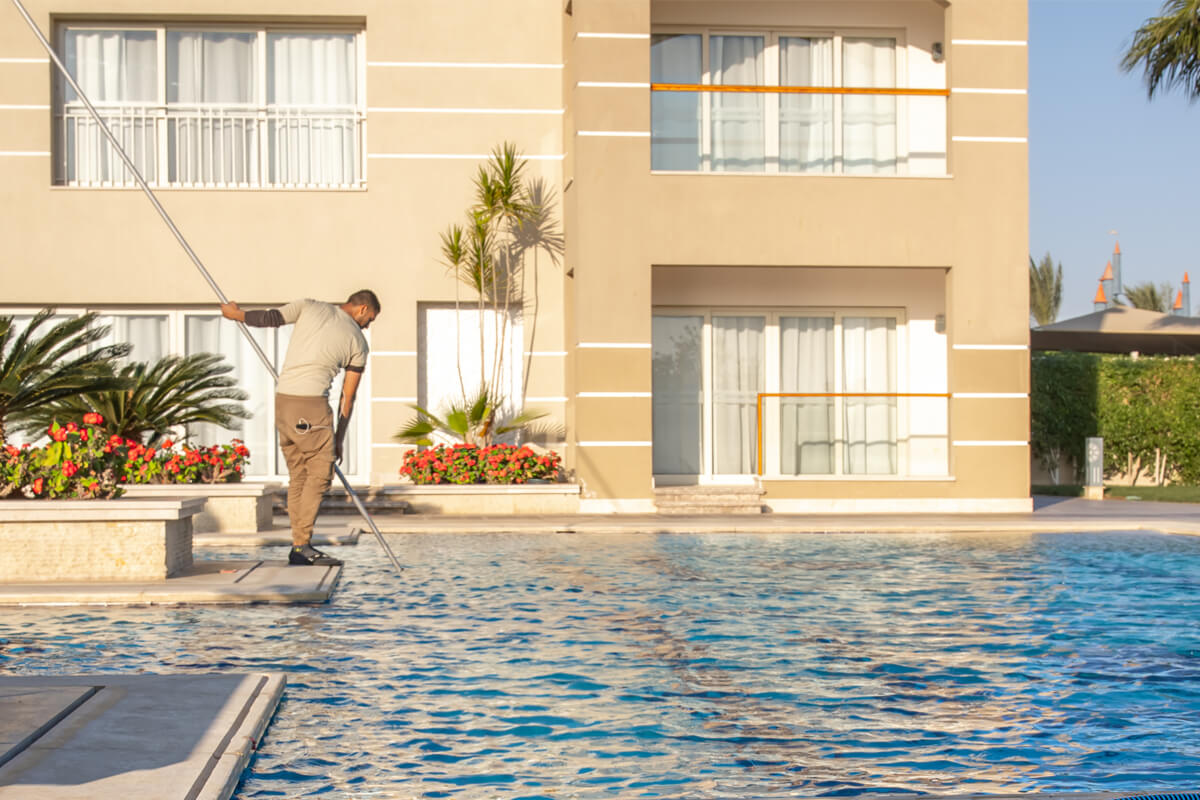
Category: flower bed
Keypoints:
(468, 464)
(80, 461)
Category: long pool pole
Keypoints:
(187, 248)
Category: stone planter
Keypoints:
(95, 540)
(526, 498)
(231, 507)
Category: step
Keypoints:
(699, 509)
(336, 501)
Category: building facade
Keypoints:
(796, 233)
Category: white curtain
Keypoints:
(737, 367)
(806, 423)
(869, 121)
(212, 134)
(118, 71)
(447, 340)
(738, 119)
(675, 116)
(678, 395)
(212, 334)
(147, 333)
(869, 365)
(312, 91)
(805, 120)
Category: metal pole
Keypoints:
(166, 218)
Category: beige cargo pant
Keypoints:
(305, 426)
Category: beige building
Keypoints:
(796, 232)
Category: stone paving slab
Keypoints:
(136, 737)
(279, 535)
(206, 582)
(28, 712)
(1050, 515)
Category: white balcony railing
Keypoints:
(212, 147)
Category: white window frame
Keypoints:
(771, 384)
(771, 107)
(162, 108)
(176, 345)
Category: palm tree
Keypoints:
(1045, 290)
(1167, 47)
(39, 369)
(1149, 297)
(473, 422)
(155, 398)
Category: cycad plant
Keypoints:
(477, 422)
(156, 398)
(41, 367)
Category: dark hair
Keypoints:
(364, 297)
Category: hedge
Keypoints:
(1147, 410)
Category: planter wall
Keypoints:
(527, 498)
(95, 540)
(231, 507)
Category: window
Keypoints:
(221, 106)
(744, 130)
(160, 332)
(709, 369)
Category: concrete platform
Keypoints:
(206, 582)
(134, 737)
(279, 535)
(1050, 515)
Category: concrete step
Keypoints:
(698, 508)
(708, 499)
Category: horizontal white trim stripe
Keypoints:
(613, 394)
(992, 42)
(15, 107)
(613, 35)
(613, 346)
(990, 395)
(463, 64)
(547, 353)
(512, 111)
(964, 90)
(393, 352)
(990, 347)
(24, 61)
(627, 134)
(615, 444)
(990, 443)
(545, 399)
(34, 153)
(612, 85)
(455, 156)
(1001, 139)
(393, 399)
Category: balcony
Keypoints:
(204, 146)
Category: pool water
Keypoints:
(695, 666)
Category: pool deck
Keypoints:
(135, 737)
(205, 582)
(1050, 515)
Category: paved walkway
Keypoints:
(211, 582)
(134, 737)
(1050, 515)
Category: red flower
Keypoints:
(93, 419)
(72, 427)
(58, 434)
(150, 454)
(69, 468)
(37, 486)
(167, 444)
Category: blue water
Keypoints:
(680, 666)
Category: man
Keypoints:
(326, 340)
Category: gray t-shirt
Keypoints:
(325, 341)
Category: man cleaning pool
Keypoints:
(327, 339)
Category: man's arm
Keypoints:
(256, 318)
(346, 408)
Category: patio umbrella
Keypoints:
(1120, 329)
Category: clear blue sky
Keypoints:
(1103, 157)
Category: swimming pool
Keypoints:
(597, 666)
